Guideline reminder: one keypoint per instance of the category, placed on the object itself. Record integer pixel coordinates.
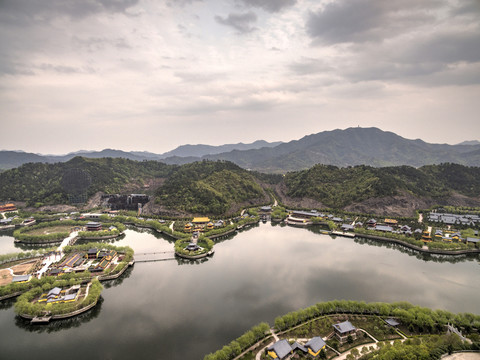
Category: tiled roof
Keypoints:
(316, 344)
(344, 327)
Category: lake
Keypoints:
(184, 310)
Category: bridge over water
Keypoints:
(154, 256)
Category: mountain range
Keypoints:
(343, 148)
(180, 155)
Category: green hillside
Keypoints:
(45, 183)
(209, 188)
(205, 187)
(215, 188)
(338, 187)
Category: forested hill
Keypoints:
(209, 187)
(205, 187)
(343, 187)
(51, 183)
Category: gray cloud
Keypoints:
(446, 47)
(395, 40)
(308, 66)
(444, 58)
(199, 77)
(182, 2)
(467, 7)
(65, 69)
(93, 44)
(25, 10)
(240, 22)
(365, 20)
(269, 5)
(8, 66)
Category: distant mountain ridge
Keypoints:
(350, 147)
(203, 150)
(343, 148)
(182, 154)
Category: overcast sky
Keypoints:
(152, 75)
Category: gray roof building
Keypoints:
(55, 292)
(384, 228)
(20, 278)
(344, 327)
(392, 322)
(282, 348)
(296, 346)
(316, 344)
(346, 227)
(70, 297)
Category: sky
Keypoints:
(150, 75)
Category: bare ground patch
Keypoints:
(5, 277)
(23, 269)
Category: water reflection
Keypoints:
(118, 281)
(7, 304)
(63, 324)
(182, 261)
(419, 255)
(255, 275)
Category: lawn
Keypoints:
(49, 230)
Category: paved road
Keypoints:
(463, 356)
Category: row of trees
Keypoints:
(422, 318)
(440, 245)
(236, 347)
(4, 258)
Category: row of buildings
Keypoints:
(93, 260)
(341, 331)
(281, 349)
(58, 295)
(454, 219)
(304, 218)
(202, 224)
(8, 208)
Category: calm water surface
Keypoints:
(178, 310)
